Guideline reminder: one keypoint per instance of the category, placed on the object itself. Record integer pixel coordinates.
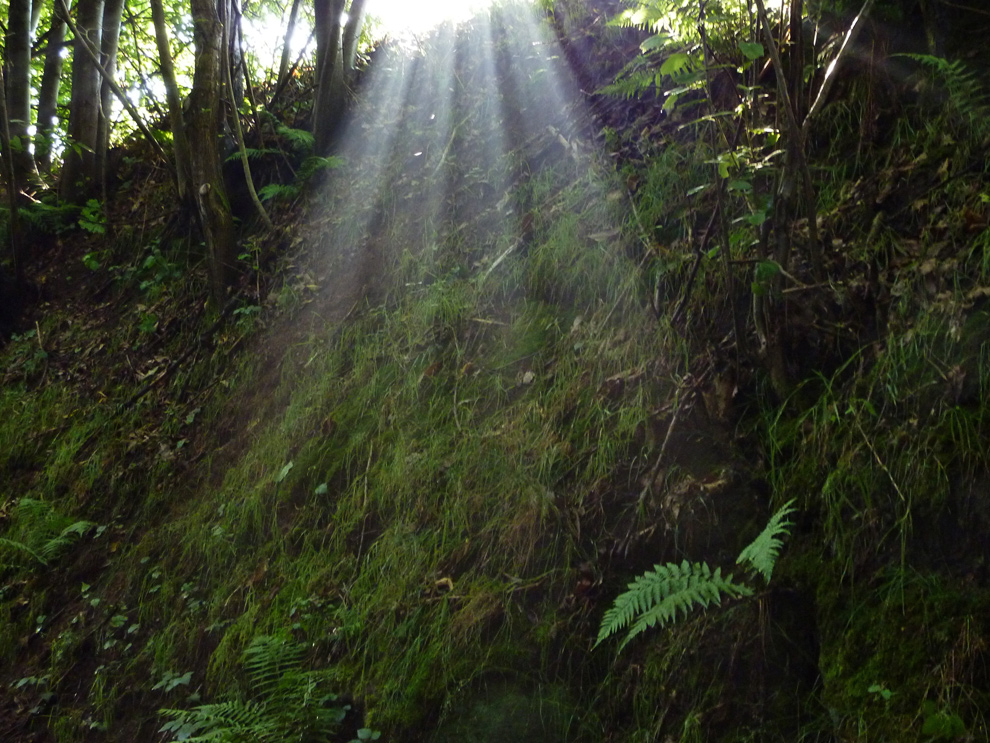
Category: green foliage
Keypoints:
(311, 166)
(662, 595)
(287, 703)
(964, 92)
(299, 140)
(39, 533)
(49, 219)
(92, 219)
(762, 552)
(659, 596)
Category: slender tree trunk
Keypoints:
(9, 175)
(329, 71)
(210, 194)
(36, 8)
(233, 59)
(78, 167)
(352, 33)
(290, 29)
(112, 12)
(17, 46)
(48, 95)
(180, 143)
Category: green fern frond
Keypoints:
(762, 552)
(278, 191)
(268, 659)
(633, 84)
(315, 164)
(225, 722)
(660, 596)
(965, 92)
(300, 140)
(21, 548)
(253, 153)
(38, 531)
(288, 702)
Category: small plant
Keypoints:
(286, 703)
(661, 595)
(941, 724)
(92, 219)
(39, 533)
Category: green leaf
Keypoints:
(662, 595)
(653, 43)
(285, 471)
(751, 50)
(677, 64)
(766, 271)
(762, 552)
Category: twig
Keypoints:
(655, 469)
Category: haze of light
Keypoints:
(417, 16)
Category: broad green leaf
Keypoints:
(751, 49)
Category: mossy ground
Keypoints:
(463, 420)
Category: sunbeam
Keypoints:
(444, 148)
(403, 16)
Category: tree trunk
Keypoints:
(14, 229)
(180, 143)
(283, 67)
(36, 7)
(78, 168)
(327, 108)
(112, 13)
(212, 204)
(352, 33)
(17, 46)
(48, 95)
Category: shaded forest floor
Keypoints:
(484, 376)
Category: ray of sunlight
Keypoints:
(400, 16)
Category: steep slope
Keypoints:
(505, 372)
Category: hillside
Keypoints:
(518, 342)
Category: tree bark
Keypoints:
(329, 71)
(352, 33)
(6, 161)
(78, 167)
(290, 29)
(112, 12)
(180, 143)
(212, 205)
(17, 46)
(48, 95)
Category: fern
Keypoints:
(965, 93)
(289, 703)
(669, 592)
(278, 191)
(661, 595)
(267, 659)
(762, 552)
(300, 140)
(315, 164)
(40, 533)
(253, 153)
